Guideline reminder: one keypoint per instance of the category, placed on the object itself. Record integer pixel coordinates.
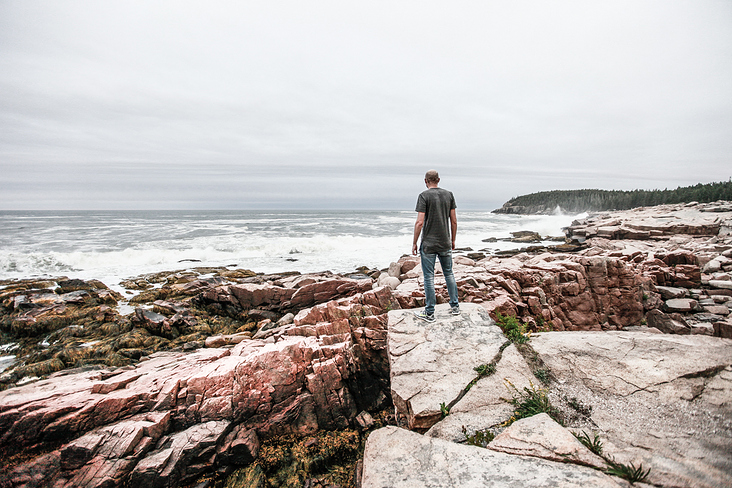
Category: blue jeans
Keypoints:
(428, 270)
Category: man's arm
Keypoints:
(453, 226)
(418, 230)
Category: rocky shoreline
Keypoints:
(215, 363)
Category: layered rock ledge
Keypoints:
(177, 415)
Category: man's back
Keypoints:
(436, 203)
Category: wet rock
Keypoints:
(169, 307)
(196, 286)
(525, 236)
(155, 323)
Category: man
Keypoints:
(437, 223)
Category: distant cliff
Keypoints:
(576, 201)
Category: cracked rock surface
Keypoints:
(432, 362)
(661, 400)
(658, 401)
(405, 459)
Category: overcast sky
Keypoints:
(333, 104)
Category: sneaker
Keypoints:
(425, 316)
(455, 310)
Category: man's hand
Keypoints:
(453, 226)
(417, 230)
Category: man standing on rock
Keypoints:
(437, 222)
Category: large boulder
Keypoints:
(668, 324)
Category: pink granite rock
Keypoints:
(165, 421)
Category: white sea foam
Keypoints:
(6, 362)
(114, 246)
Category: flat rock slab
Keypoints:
(727, 285)
(399, 458)
(484, 405)
(663, 401)
(669, 292)
(681, 305)
(432, 363)
(540, 436)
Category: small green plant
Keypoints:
(529, 402)
(542, 375)
(614, 468)
(594, 444)
(514, 330)
(629, 473)
(485, 369)
(444, 410)
(480, 438)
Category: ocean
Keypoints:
(112, 246)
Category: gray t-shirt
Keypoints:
(436, 204)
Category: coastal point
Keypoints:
(624, 342)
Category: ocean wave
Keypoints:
(101, 248)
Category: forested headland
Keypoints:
(576, 201)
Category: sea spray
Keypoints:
(113, 246)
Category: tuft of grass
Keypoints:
(485, 369)
(542, 375)
(594, 444)
(480, 438)
(629, 473)
(444, 410)
(514, 330)
(529, 402)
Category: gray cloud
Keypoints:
(326, 104)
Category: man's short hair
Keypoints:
(432, 176)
